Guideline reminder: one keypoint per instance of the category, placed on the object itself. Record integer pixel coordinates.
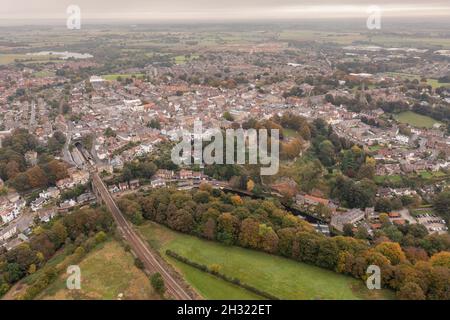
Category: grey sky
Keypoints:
(217, 9)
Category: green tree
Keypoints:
(109, 132)
(326, 153)
(227, 116)
(441, 204)
(157, 282)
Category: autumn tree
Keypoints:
(441, 259)
(227, 228)
(37, 177)
(268, 241)
(12, 169)
(249, 233)
(250, 185)
(180, 220)
(392, 251)
(411, 291)
(209, 229)
(201, 197)
(56, 170)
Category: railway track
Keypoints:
(138, 246)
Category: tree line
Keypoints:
(70, 231)
(263, 225)
(22, 175)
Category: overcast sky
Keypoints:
(158, 10)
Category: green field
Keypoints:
(284, 278)
(43, 74)
(415, 119)
(9, 58)
(113, 77)
(391, 178)
(290, 133)
(106, 272)
(375, 148)
(434, 83)
(211, 287)
(26, 59)
(183, 58)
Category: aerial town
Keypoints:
(86, 133)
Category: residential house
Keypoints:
(114, 188)
(123, 186)
(134, 184)
(67, 205)
(38, 203)
(164, 174)
(86, 198)
(46, 215)
(308, 200)
(8, 233)
(7, 214)
(50, 193)
(185, 174)
(158, 183)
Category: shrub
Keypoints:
(157, 282)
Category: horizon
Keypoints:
(25, 12)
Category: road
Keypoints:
(137, 244)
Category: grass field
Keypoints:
(290, 133)
(9, 58)
(376, 147)
(183, 58)
(434, 83)
(321, 36)
(43, 74)
(415, 119)
(106, 272)
(391, 178)
(113, 77)
(26, 59)
(284, 278)
(211, 287)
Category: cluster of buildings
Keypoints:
(11, 206)
(17, 217)
(127, 119)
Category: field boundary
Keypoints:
(219, 275)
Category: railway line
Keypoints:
(138, 246)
